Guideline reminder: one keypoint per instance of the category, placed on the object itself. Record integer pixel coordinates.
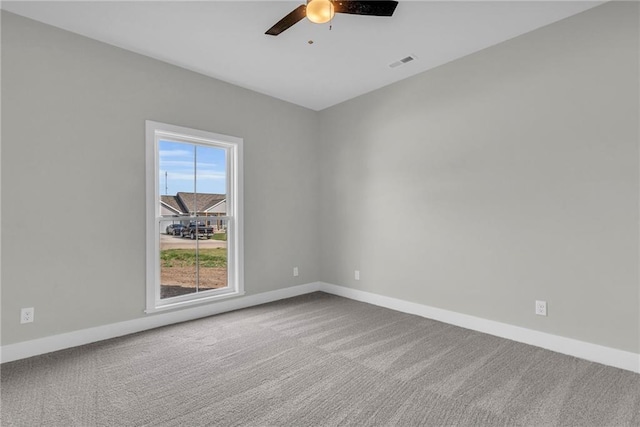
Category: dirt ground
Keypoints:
(177, 242)
(175, 281)
(180, 280)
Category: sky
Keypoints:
(177, 160)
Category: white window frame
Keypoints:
(156, 131)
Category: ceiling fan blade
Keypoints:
(288, 21)
(373, 8)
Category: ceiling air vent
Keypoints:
(403, 61)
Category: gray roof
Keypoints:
(192, 202)
(173, 202)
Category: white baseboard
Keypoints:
(38, 346)
(593, 352)
(584, 350)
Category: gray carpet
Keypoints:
(314, 360)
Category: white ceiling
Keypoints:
(226, 40)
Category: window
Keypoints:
(194, 216)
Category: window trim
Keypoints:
(235, 237)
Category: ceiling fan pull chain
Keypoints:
(330, 19)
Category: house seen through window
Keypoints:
(194, 251)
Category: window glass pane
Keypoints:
(211, 182)
(210, 176)
(193, 247)
(178, 260)
(176, 177)
(212, 262)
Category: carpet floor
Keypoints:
(314, 360)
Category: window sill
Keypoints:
(193, 302)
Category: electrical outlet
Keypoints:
(295, 272)
(357, 275)
(541, 308)
(26, 315)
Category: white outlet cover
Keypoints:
(26, 315)
(541, 308)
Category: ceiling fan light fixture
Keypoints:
(320, 11)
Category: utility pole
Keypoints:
(166, 184)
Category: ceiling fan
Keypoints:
(321, 11)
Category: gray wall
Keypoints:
(73, 120)
(504, 177)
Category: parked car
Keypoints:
(175, 229)
(199, 230)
